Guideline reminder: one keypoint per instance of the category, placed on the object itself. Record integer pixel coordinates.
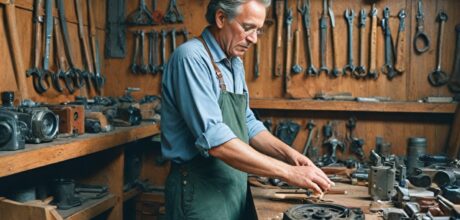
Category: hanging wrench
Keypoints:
(163, 50)
(373, 72)
(288, 21)
(361, 69)
(173, 40)
(401, 43)
(62, 72)
(454, 84)
(306, 22)
(134, 67)
(296, 68)
(73, 72)
(142, 68)
(48, 38)
(88, 73)
(155, 52)
(439, 77)
(173, 14)
(420, 34)
(388, 67)
(323, 40)
(335, 71)
(98, 78)
(35, 71)
(152, 68)
(279, 10)
(349, 68)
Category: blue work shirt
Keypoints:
(191, 119)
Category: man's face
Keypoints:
(238, 34)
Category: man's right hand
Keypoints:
(308, 177)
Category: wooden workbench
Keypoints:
(268, 208)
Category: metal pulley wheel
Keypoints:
(323, 212)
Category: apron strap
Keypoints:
(220, 78)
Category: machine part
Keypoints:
(420, 180)
(333, 144)
(287, 131)
(438, 77)
(74, 73)
(71, 118)
(416, 148)
(401, 175)
(452, 193)
(296, 67)
(92, 126)
(115, 40)
(42, 123)
(335, 72)
(361, 69)
(279, 10)
(382, 148)
(373, 72)
(349, 68)
(173, 14)
(394, 214)
(322, 211)
(454, 83)
(420, 34)
(129, 116)
(7, 100)
(12, 131)
(23, 194)
(132, 168)
(141, 16)
(323, 40)
(355, 144)
(388, 67)
(310, 126)
(64, 194)
(445, 178)
(381, 182)
(401, 43)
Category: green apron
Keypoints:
(208, 188)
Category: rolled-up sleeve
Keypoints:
(197, 102)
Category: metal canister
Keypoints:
(416, 147)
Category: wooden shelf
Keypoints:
(131, 193)
(319, 105)
(158, 197)
(39, 155)
(89, 209)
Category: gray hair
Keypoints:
(229, 7)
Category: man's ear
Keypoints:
(220, 18)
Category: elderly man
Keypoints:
(208, 130)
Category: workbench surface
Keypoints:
(268, 208)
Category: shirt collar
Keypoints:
(216, 51)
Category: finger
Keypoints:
(311, 185)
(324, 176)
(322, 183)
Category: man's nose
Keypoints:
(252, 38)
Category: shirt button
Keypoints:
(185, 182)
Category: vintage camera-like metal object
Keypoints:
(42, 124)
(12, 131)
(71, 118)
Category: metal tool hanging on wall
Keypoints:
(420, 34)
(115, 40)
(73, 72)
(349, 67)
(306, 23)
(98, 79)
(401, 43)
(323, 40)
(361, 69)
(335, 72)
(173, 15)
(88, 72)
(141, 16)
(373, 71)
(388, 67)
(279, 10)
(438, 77)
(61, 62)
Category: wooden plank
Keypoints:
(152, 197)
(454, 138)
(89, 209)
(40, 155)
(316, 105)
(17, 211)
(131, 194)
